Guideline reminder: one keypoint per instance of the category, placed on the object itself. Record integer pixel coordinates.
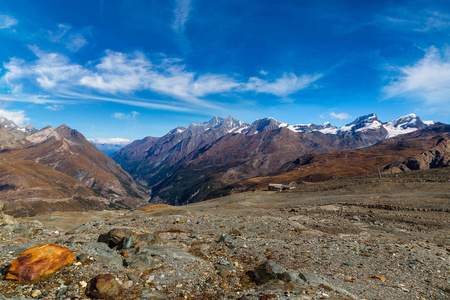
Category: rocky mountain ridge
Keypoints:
(10, 124)
(206, 156)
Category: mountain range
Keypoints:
(59, 169)
(191, 163)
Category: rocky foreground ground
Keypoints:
(313, 245)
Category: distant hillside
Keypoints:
(427, 148)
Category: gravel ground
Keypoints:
(331, 246)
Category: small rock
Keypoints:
(62, 290)
(224, 262)
(224, 267)
(268, 271)
(104, 286)
(153, 295)
(36, 293)
(140, 244)
(133, 276)
(83, 284)
(349, 278)
(380, 277)
(141, 262)
(267, 296)
(123, 238)
(82, 258)
(127, 284)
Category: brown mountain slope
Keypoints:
(67, 151)
(436, 157)
(350, 163)
(29, 186)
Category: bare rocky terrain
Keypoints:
(355, 238)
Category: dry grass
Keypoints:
(154, 207)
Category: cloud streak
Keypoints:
(72, 41)
(124, 116)
(181, 15)
(430, 20)
(427, 80)
(340, 116)
(55, 107)
(288, 84)
(7, 21)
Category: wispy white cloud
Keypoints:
(118, 72)
(7, 21)
(124, 116)
(340, 116)
(18, 117)
(72, 41)
(427, 80)
(55, 107)
(112, 141)
(137, 102)
(286, 85)
(181, 14)
(430, 20)
(76, 42)
(52, 71)
(119, 77)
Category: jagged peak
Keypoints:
(215, 121)
(366, 122)
(371, 117)
(266, 120)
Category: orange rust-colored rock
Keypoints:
(41, 260)
(380, 277)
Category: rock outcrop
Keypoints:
(5, 219)
(436, 157)
(123, 238)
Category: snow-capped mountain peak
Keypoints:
(265, 124)
(367, 122)
(10, 124)
(405, 124)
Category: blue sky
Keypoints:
(136, 68)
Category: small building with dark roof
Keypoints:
(279, 187)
